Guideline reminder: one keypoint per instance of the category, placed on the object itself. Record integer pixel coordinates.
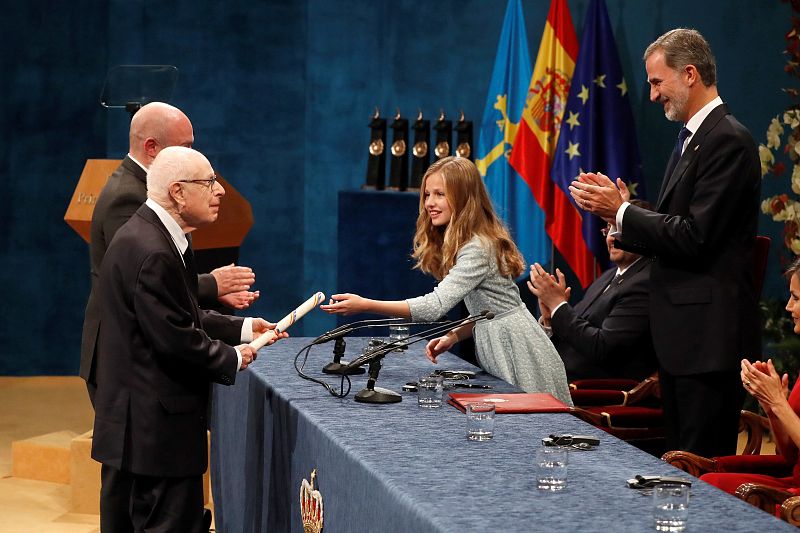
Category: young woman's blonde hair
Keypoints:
(435, 248)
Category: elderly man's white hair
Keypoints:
(172, 164)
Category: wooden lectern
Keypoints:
(235, 214)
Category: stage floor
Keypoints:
(35, 406)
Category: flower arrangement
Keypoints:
(782, 151)
(783, 145)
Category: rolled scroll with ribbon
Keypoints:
(288, 320)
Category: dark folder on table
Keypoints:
(523, 402)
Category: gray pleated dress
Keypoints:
(511, 346)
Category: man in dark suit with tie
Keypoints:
(607, 334)
(154, 127)
(157, 352)
(703, 302)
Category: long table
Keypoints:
(397, 467)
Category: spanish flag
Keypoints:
(537, 137)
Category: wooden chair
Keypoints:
(784, 503)
(754, 426)
(610, 392)
(634, 416)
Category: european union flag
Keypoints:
(598, 133)
(508, 89)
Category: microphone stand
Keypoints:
(370, 394)
(379, 395)
(337, 366)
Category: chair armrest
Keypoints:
(790, 510)
(764, 497)
(754, 425)
(647, 388)
(590, 417)
(690, 463)
(594, 397)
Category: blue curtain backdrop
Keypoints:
(280, 94)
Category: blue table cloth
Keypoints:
(397, 467)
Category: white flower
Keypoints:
(792, 118)
(766, 206)
(791, 211)
(767, 159)
(795, 245)
(796, 179)
(774, 133)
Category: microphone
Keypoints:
(424, 335)
(337, 366)
(344, 329)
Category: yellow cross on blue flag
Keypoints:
(508, 89)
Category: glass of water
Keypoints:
(429, 390)
(398, 333)
(671, 506)
(551, 467)
(480, 421)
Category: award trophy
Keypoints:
(420, 151)
(376, 163)
(464, 138)
(444, 130)
(398, 167)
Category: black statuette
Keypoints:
(398, 167)
(376, 163)
(420, 152)
(464, 146)
(444, 133)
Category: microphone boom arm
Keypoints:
(425, 335)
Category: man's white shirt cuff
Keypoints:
(246, 336)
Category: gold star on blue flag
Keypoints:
(606, 132)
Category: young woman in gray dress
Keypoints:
(463, 244)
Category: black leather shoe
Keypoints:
(206, 520)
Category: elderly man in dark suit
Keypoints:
(154, 127)
(703, 303)
(157, 352)
(607, 334)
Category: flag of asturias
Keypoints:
(597, 135)
(508, 87)
(537, 135)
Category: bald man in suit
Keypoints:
(154, 127)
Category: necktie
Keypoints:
(673, 160)
(614, 281)
(188, 258)
(191, 267)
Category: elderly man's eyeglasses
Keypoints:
(209, 183)
(605, 231)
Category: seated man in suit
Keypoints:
(157, 352)
(607, 334)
